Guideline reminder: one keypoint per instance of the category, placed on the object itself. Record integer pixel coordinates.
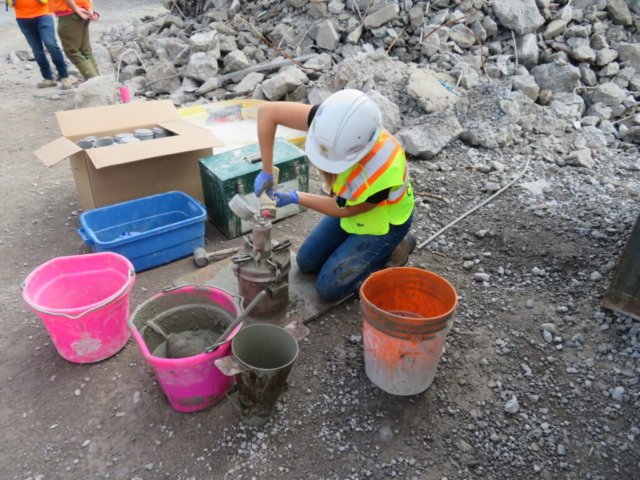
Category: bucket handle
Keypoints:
(171, 288)
(113, 298)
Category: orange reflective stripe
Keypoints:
(378, 173)
(360, 165)
(356, 171)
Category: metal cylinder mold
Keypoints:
(263, 267)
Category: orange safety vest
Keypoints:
(31, 9)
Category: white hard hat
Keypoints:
(344, 129)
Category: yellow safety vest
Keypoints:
(385, 166)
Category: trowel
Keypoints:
(179, 347)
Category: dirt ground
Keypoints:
(111, 420)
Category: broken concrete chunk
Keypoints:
(416, 16)
(355, 35)
(459, 34)
(490, 26)
(235, 61)
(205, 42)
(526, 84)
(163, 77)
(172, 45)
(528, 50)
(580, 49)
(590, 137)
(382, 16)
(326, 36)
(599, 110)
(630, 52)
(284, 83)
(606, 56)
(608, 94)
(103, 58)
(568, 105)
(587, 75)
(391, 115)
(431, 135)
(557, 77)
(248, 84)
(631, 134)
(489, 115)
(611, 70)
(522, 16)
(537, 188)
(619, 12)
(580, 158)
(202, 66)
(555, 28)
(185, 93)
(321, 63)
(95, 92)
(428, 92)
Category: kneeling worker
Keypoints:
(370, 210)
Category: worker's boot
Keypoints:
(87, 69)
(47, 83)
(95, 65)
(66, 83)
(400, 255)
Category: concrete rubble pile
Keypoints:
(424, 68)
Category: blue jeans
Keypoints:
(40, 32)
(343, 261)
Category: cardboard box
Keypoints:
(118, 173)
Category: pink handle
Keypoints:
(125, 94)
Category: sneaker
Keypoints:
(400, 255)
(66, 83)
(47, 83)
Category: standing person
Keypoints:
(36, 23)
(74, 17)
(370, 210)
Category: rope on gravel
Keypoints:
(444, 229)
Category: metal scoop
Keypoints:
(179, 347)
(242, 208)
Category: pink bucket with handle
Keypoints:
(192, 383)
(83, 301)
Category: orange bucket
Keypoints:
(406, 315)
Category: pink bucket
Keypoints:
(191, 383)
(83, 301)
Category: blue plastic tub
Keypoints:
(149, 231)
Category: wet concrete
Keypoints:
(198, 325)
(197, 342)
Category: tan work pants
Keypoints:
(74, 36)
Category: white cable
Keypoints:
(120, 62)
(444, 229)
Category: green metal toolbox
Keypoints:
(233, 172)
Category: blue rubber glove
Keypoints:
(286, 198)
(264, 182)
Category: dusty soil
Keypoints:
(111, 420)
